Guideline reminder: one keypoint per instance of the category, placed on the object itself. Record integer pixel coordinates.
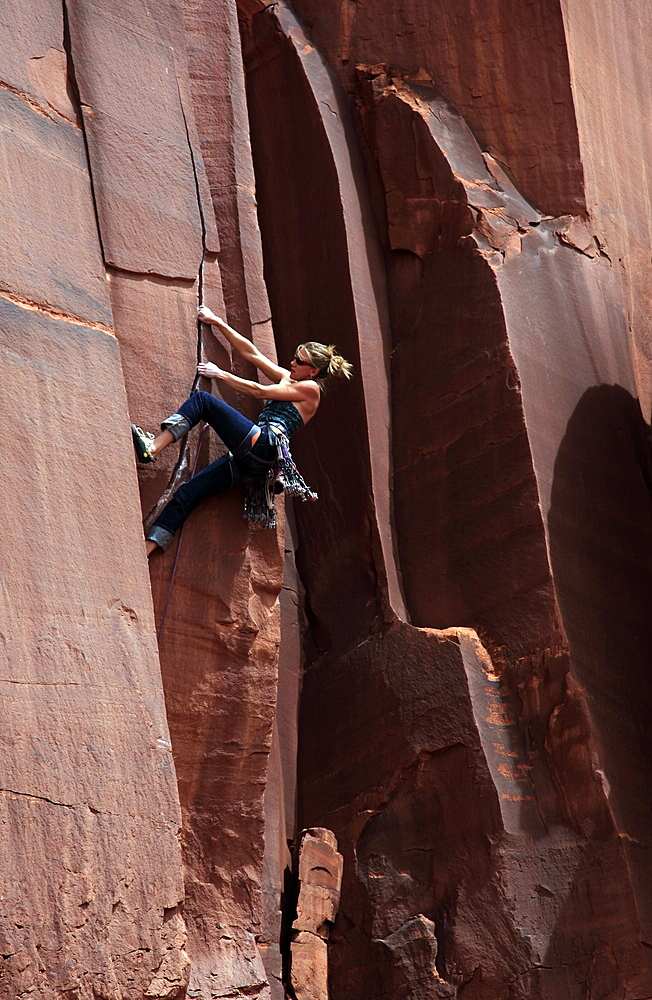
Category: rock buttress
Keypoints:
(475, 843)
(91, 867)
(219, 640)
(113, 243)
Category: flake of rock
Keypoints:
(575, 233)
(138, 142)
(320, 880)
(414, 948)
(497, 230)
(51, 254)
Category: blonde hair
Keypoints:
(327, 360)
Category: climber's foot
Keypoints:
(143, 442)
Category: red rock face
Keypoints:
(91, 865)
(484, 393)
(616, 153)
(112, 234)
(480, 57)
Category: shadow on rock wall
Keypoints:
(600, 527)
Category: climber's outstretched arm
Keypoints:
(293, 392)
(243, 346)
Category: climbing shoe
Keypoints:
(143, 441)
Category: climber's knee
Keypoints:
(161, 536)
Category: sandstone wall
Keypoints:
(612, 93)
(111, 242)
(91, 868)
(500, 331)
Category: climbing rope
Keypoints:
(178, 552)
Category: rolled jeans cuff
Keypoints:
(177, 425)
(160, 535)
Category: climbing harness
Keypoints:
(281, 477)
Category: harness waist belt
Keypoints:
(278, 429)
(245, 445)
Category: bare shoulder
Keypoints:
(310, 399)
(303, 389)
(312, 388)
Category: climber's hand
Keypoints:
(207, 315)
(210, 370)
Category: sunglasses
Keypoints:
(299, 361)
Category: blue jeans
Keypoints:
(245, 463)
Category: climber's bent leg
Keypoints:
(236, 430)
(231, 425)
(214, 479)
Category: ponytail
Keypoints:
(327, 360)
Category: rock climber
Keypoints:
(259, 456)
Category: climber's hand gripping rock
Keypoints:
(207, 315)
(209, 370)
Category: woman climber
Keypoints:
(259, 457)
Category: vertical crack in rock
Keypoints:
(77, 103)
(182, 470)
(219, 658)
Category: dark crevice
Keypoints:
(182, 470)
(288, 906)
(73, 92)
(39, 798)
